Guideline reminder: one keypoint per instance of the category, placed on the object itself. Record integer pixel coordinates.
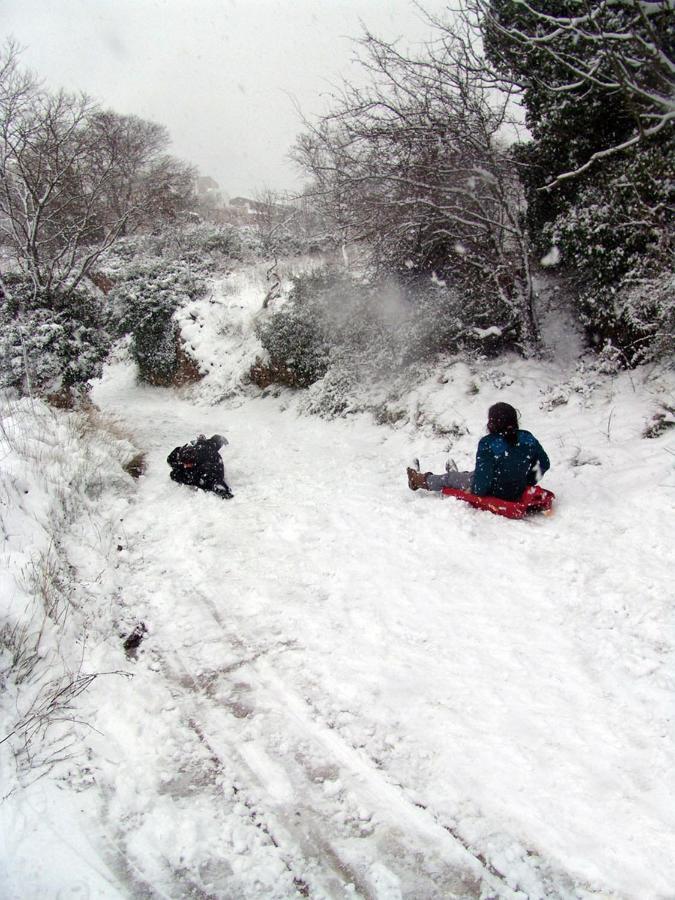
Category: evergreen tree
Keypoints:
(597, 86)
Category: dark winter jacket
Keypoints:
(504, 469)
(199, 464)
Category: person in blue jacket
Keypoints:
(508, 460)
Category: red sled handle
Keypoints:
(533, 499)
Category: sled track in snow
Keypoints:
(313, 794)
(305, 842)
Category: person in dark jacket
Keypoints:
(508, 460)
(199, 464)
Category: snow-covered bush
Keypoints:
(333, 394)
(443, 319)
(200, 244)
(144, 304)
(201, 247)
(589, 375)
(250, 241)
(295, 341)
(636, 317)
(615, 236)
(334, 320)
(50, 345)
(155, 341)
(205, 246)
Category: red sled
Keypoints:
(533, 500)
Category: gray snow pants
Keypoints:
(460, 480)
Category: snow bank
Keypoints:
(55, 468)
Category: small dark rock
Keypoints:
(133, 640)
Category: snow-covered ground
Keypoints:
(347, 689)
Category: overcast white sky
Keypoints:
(219, 74)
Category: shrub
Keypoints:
(296, 345)
(144, 305)
(198, 244)
(47, 344)
(332, 395)
(616, 237)
(200, 248)
(601, 133)
(636, 318)
(333, 320)
(154, 345)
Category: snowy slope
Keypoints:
(351, 690)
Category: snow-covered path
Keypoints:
(351, 690)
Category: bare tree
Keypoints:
(273, 216)
(50, 206)
(147, 185)
(16, 85)
(73, 179)
(415, 166)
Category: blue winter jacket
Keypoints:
(505, 470)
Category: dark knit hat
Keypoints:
(503, 419)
